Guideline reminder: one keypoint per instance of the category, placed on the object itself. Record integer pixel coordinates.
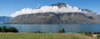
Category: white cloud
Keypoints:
(44, 9)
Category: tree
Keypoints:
(12, 29)
(3, 29)
(0, 29)
(61, 31)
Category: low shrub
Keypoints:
(37, 32)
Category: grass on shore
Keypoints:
(44, 36)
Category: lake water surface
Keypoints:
(55, 27)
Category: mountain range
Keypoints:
(59, 13)
(4, 19)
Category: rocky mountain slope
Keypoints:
(52, 18)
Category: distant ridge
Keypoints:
(4, 19)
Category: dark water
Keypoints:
(55, 27)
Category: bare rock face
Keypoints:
(52, 18)
(59, 5)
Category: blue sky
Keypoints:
(7, 7)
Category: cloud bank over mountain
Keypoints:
(56, 8)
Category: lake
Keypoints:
(51, 28)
